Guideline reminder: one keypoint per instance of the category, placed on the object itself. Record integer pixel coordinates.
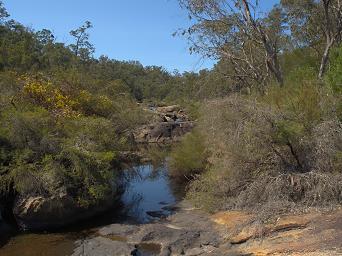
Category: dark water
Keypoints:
(148, 190)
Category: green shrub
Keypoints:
(89, 175)
(189, 157)
(334, 79)
(34, 129)
(84, 133)
(302, 99)
(334, 74)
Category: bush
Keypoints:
(280, 151)
(334, 75)
(189, 158)
(334, 79)
(33, 130)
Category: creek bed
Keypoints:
(148, 194)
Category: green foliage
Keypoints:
(82, 47)
(302, 60)
(89, 174)
(29, 130)
(303, 100)
(65, 115)
(334, 79)
(288, 131)
(84, 132)
(334, 75)
(189, 157)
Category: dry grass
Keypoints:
(258, 164)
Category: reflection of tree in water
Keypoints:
(142, 183)
(178, 188)
(132, 207)
(145, 172)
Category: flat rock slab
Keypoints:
(101, 246)
(311, 234)
(118, 230)
(187, 232)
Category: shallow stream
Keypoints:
(148, 195)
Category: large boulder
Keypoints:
(162, 132)
(48, 212)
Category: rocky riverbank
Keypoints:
(55, 204)
(168, 124)
(42, 213)
(188, 231)
(192, 232)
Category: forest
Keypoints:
(268, 133)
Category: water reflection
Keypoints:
(148, 191)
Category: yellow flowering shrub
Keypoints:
(44, 94)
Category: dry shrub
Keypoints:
(261, 160)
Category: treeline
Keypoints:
(27, 52)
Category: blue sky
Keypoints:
(123, 29)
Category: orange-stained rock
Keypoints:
(232, 219)
(246, 234)
(312, 234)
(291, 222)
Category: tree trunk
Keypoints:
(270, 52)
(274, 66)
(325, 58)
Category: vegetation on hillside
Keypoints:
(269, 132)
(65, 115)
(275, 144)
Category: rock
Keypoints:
(168, 109)
(183, 240)
(163, 203)
(200, 250)
(162, 132)
(169, 119)
(209, 248)
(194, 252)
(170, 208)
(170, 125)
(118, 230)
(246, 234)
(232, 219)
(157, 214)
(101, 246)
(147, 249)
(285, 223)
(154, 233)
(307, 234)
(41, 212)
(289, 222)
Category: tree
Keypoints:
(82, 47)
(3, 12)
(332, 29)
(317, 24)
(235, 30)
(45, 36)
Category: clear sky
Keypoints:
(123, 29)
